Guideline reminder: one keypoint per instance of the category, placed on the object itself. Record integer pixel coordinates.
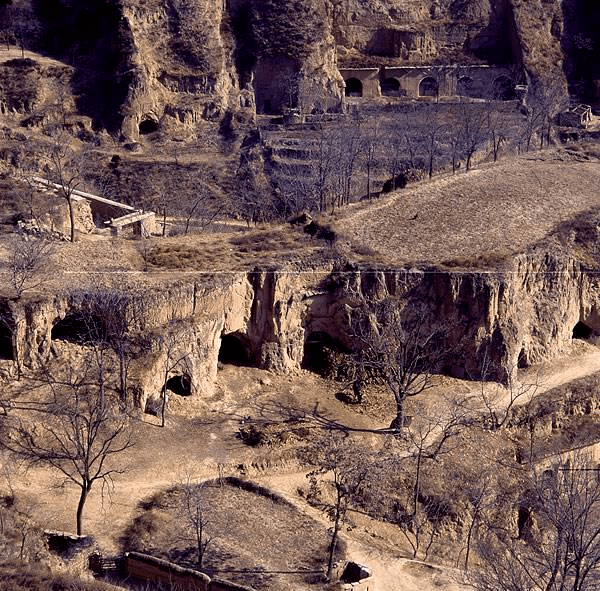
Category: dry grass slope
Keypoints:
(476, 219)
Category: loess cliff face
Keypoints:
(271, 318)
(184, 63)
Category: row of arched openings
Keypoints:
(502, 87)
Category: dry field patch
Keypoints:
(482, 216)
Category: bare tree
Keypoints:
(561, 549)
(62, 167)
(175, 359)
(337, 464)
(195, 518)
(351, 137)
(497, 126)
(499, 401)
(430, 434)
(80, 431)
(472, 129)
(402, 354)
(29, 263)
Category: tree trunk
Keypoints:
(334, 536)
(417, 487)
(71, 217)
(85, 489)
(122, 374)
(163, 409)
(397, 423)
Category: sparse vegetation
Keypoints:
(155, 104)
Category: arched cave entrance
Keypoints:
(354, 87)
(6, 333)
(180, 385)
(464, 86)
(148, 126)
(582, 331)
(428, 87)
(234, 350)
(390, 87)
(522, 361)
(503, 89)
(6, 344)
(79, 328)
(321, 353)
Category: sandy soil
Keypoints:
(200, 441)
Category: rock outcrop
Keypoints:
(505, 319)
(181, 64)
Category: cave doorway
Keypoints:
(148, 126)
(390, 87)
(464, 86)
(428, 87)
(503, 89)
(79, 328)
(354, 87)
(6, 341)
(180, 385)
(524, 522)
(234, 350)
(522, 361)
(322, 353)
(582, 331)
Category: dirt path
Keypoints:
(582, 359)
(199, 441)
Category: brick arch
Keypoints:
(390, 87)
(354, 87)
(428, 86)
(464, 86)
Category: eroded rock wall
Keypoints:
(504, 320)
(180, 64)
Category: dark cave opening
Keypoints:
(428, 87)
(321, 353)
(522, 362)
(148, 126)
(79, 328)
(180, 385)
(524, 521)
(234, 350)
(582, 331)
(6, 344)
(354, 87)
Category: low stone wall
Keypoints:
(148, 568)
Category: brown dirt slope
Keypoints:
(491, 212)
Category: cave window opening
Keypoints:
(390, 87)
(582, 331)
(504, 89)
(524, 521)
(148, 126)
(6, 344)
(320, 352)
(522, 363)
(234, 351)
(428, 87)
(79, 329)
(354, 87)
(180, 385)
